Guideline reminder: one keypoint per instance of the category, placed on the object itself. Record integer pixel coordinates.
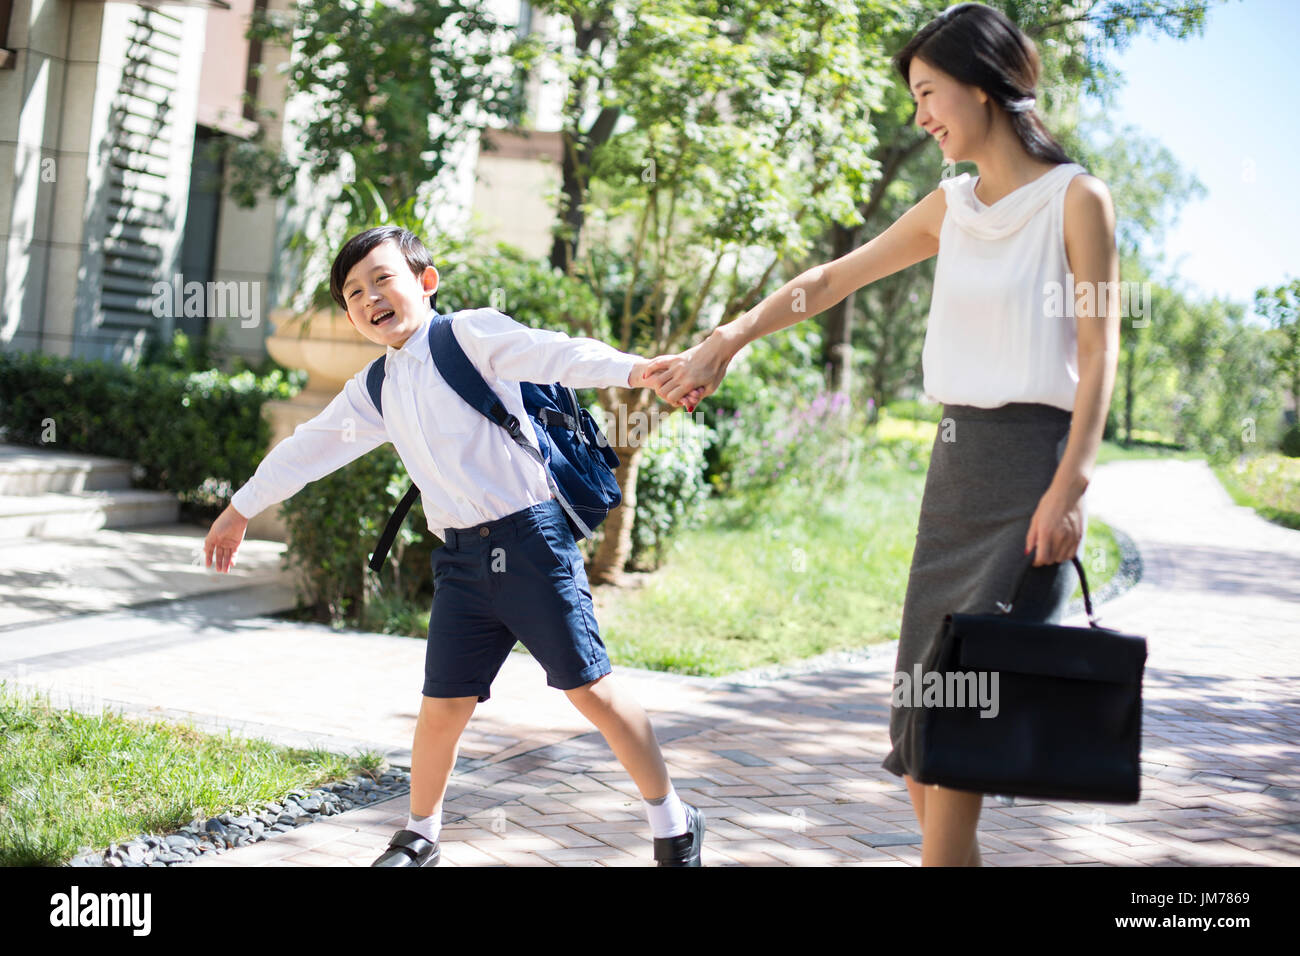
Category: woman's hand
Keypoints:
(1056, 529)
(697, 372)
(651, 374)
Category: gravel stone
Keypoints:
(200, 838)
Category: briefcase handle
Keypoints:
(1083, 580)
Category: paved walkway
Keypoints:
(789, 772)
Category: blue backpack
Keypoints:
(577, 458)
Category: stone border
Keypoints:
(227, 831)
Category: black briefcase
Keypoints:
(1063, 719)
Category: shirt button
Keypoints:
(482, 532)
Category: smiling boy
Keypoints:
(509, 568)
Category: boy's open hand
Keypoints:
(224, 538)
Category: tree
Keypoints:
(1148, 187)
(395, 87)
(690, 133)
(1281, 307)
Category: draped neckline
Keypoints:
(1012, 211)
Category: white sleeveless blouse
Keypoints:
(1001, 326)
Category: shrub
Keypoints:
(670, 486)
(189, 432)
(334, 524)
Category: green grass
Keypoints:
(1270, 484)
(798, 578)
(70, 780)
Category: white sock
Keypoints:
(428, 827)
(667, 816)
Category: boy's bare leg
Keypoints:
(433, 753)
(626, 728)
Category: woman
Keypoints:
(1025, 380)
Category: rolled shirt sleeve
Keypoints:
(347, 428)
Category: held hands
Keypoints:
(1055, 530)
(224, 538)
(687, 378)
(652, 373)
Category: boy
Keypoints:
(509, 567)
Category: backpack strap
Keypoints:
(390, 530)
(374, 386)
(459, 372)
(375, 383)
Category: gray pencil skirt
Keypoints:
(989, 468)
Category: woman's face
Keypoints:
(951, 112)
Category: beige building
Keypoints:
(111, 208)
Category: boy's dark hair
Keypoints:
(360, 245)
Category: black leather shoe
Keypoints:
(408, 848)
(682, 850)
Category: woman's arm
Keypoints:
(1094, 262)
(912, 237)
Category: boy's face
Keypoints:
(382, 283)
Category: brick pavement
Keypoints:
(788, 773)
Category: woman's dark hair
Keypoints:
(977, 45)
(359, 246)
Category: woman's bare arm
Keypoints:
(914, 236)
(1056, 528)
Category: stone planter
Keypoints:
(322, 343)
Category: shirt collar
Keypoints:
(417, 346)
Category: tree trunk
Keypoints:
(577, 155)
(564, 247)
(839, 318)
(628, 429)
(837, 348)
(615, 548)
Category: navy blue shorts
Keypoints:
(518, 578)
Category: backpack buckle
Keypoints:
(511, 425)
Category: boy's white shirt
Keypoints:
(467, 467)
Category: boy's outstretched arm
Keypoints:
(347, 428)
(224, 539)
(516, 352)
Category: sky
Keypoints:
(1226, 105)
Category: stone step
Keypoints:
(158, 572)
(61, 515)
(39, 471)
